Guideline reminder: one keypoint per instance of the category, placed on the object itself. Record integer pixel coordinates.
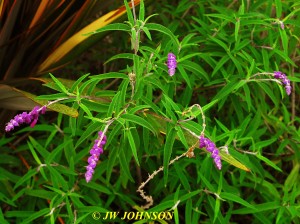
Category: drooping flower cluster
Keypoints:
(284, 80)
(211, 147)
(172, 64)
(95, 152)
(28, 118)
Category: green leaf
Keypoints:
(78, 81)
(138, 120)
(27, 176)
(220, 64)
(221, 16)
(209, 105)
(110, 75)
(266, 59)
(269, 162)
(184, 75)
(285, 40)
(231, 160)
(207, 183)
(182, 177)
(113, 155)
(138, 108)
(86, 109)
(196, 69)
(129, 13)
(57, 180)
(35, 156)
(190, 195)
(52, 96)
(92, 128)
(36, 215)
(236, 63)
(59, 84)
(170, 138)
(125, 162)
(147, 32)
(236, 33)
(248, 97)
(69, 209)
(44, 194)
(133, 146)
(121, 56)
(292, 178)
(217, 205)
(284, 56)
(165, 30)
(112, 27)
(142, 11)
(237, 199)
(188, 211)
(6, 200)
(226, 90)
(171, 103)
(181, 136)
(114, 106)
(272, 206)
(265, 143)
(2, 220)
(278, 8)
(123, 90)
(98, 187)
(63, 109)
(270, 93)
(57, 150)
(188, 56)
(219, 42)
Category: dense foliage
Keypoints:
(193, 82)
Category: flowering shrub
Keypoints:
(161, 133)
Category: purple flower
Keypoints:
(171, 63)
(95, 152)
(211, 147)
(284, 80)
(28, 118)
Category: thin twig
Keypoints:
(148, 198)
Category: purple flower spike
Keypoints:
(211, 147)
(171, 63)
(95, 153)
(28, 118)
(284, 81)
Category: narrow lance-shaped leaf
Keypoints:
(132, 146)
(171, 133)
